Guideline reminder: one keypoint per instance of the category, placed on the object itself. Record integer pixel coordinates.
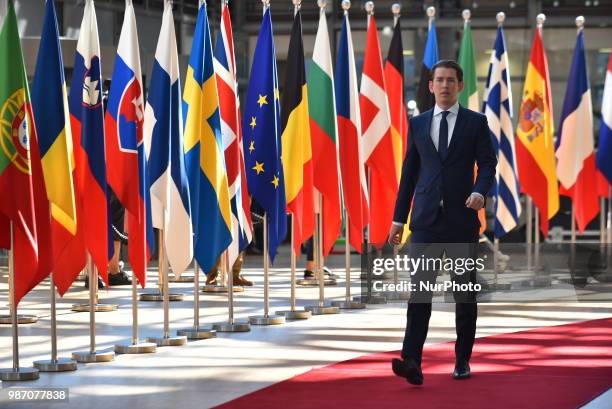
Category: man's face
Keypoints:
(445, 86)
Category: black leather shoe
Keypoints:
(120, 278)
(462, 370)
(100, 283)
(407, 369)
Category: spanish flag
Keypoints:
(295, 140)
(535, 150)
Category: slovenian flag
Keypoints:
(124, 144)
(575, 151)
(163, 128)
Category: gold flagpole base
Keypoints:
(159, 297)
(197, 333)
(325, 310)
(372, 299)
(21, 374)
(58, 365)
(348, 305)
(220, 289)
(89, 357)
(168, 341)
(21, 319)
(292, 315)
(137, 348)
(181, 279)
(232, 327)
(98, 307)
(266, 320)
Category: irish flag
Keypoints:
(322, 109)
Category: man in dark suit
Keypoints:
(437, 184)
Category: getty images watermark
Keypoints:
(428, 266)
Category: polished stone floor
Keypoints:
(209, 372)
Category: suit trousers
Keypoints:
(429, 244)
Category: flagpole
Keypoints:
(165, 339)
(266, 318)
(347, 304)
(196, 332)
(92, 355)
(609, 223)
(231, 325)
(159, 295)
(15, 373)
(529, 233)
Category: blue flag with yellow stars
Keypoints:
(261, 133)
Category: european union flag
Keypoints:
(261, 131)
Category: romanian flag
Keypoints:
(323, 131)
(20, 168)
(295, 140)
(535, 149)
(204, 154)
(377, 139)
(125, 147)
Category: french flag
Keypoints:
(575, 147)
(166, 177)
(604, 153)
(124, 144)
(87, 122)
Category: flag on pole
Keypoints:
(163, 128)
(376, 139)
(87, 122)
(604, 153)
(55, 151)
(468, 97)
(323, 132)
(575, 147)
(126, 164)
(229, 106)
(261, 129)
(497, 106)
(535, 151)
(295, 140)
(20, 167)
(352, 164)
(425, 99)
(204, 154)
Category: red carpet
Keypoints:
(555, 367)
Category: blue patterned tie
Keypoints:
(443, 139)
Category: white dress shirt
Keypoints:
(451, 118)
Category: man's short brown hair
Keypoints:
(447, 64)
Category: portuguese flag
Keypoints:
(323, 130)
(296, 147)
(20, 178)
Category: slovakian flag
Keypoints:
(163, 129)
(126, 164)
(324, 134)
(535, 150)
(295, 140)
(497, 106)
(575, 147)
(204, 154)
(261, 130)
(21, 176)
(55, 151)
(425, 99)
(376, 139)
(394, 82)
(604, 153)
(229, 106)
(87, 122)
(352, 164)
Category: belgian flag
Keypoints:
(295, 139)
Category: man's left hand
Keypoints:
(475, 201)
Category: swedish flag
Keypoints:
(204, 157)
(261, 133)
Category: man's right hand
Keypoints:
(395, 234)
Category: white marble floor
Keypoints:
(209, 372)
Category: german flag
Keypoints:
(296, 147)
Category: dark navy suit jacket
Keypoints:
(429, 180)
